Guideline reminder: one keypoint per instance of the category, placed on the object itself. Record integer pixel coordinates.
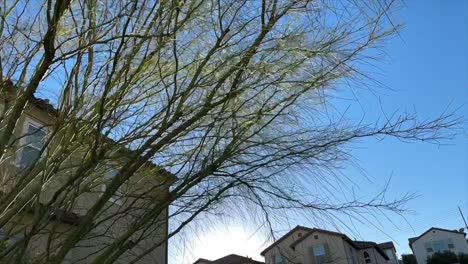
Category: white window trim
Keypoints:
(113, 199)
(24, 130)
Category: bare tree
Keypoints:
(227, 95)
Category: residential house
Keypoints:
(390, 250)
(303, 245)
(30, 132)
(229, 259)
(438, 240)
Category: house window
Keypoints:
(278, 259)
(32, 144)
(320, 253)
(439, 245)
(367, 257)
(389, 253)
(108, 176)
(450, 244)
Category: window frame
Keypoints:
(277, 259)
(391, 255)
(24, 136)
(322, 258)
(322, 248)
(115, 199)
(367, 257)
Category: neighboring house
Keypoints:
(229, 259)
(30, 132)
(390, 250)
(303, 245)
(438, 240)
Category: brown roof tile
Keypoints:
(386, 245)
(230, 259)
(413, 239)
(284, 237)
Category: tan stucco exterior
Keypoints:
(106, 231)
(435, 234)
(299, 244)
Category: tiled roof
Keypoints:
(364, 244)
(386, 245)
(284, 237)
(370, 244)
(230, 259)
(321, 231)
(46, 106)
(413, 239)
(355, 244)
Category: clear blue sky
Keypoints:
(427, 70)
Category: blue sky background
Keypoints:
(427, 71)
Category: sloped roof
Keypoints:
(284, 237)
(387, 245)
(370, 244)
(310, 231)
(46, 106)
(230, 259)
(364, 244)
(413, 239)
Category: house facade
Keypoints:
(438, 240)
(303, 245)
(390, 251)
(31, 131)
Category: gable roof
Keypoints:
(47, 107)
(284, 237)
(230, 259)
(413, 239)
(387, 245)
(370, 244)
(310, 231)
(202, 260)
(313, 230)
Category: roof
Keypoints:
(370, 244)
(202, 260)
(364, 244)
(284, 237)
(386, 245)
(46, 106)
(413, 239)
(310, 231)
(230, 259)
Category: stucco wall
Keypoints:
(336, 246)
(101, 235)
(392, 255)
(374, 255)
(419, 250)
(283, 249)
(340, 252)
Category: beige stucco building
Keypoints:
(303, 245)
(38, 118)
(438, 240)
